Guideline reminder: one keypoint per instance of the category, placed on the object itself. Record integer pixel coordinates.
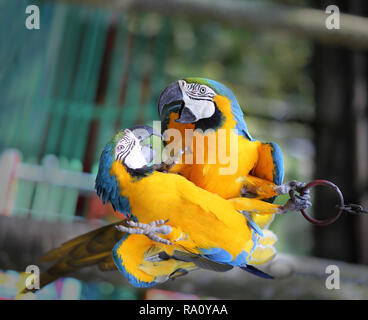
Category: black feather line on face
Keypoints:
(126, 150)
(199, 95)
(120, 156)
(201, 98)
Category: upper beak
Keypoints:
(143, 132)
(171, 96)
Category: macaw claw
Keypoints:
(150, 230)
(292, 185)
(296, 203)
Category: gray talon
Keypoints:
(150, 230)
(292, 185)
(297, 203)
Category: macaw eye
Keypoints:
(120, 147)
(202, 90)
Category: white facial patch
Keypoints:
(129, 151)
(198, 98)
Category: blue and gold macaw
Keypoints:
(199, 229)
(203, 230)
(208, 108)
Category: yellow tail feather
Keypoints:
(265, 249)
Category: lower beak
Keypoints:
(186, 116)
(148, 154)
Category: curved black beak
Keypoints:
(143, 132)
(171, 96)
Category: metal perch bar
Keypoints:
(306, 22)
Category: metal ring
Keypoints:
(340, 198)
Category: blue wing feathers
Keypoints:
(217, 254)
(222, 256)
(278, 161)
(107, 186)
(240, 259)
(253, 225)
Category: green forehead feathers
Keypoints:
(200, 81)
(115, 139)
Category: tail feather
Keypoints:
(256, 272)
(265, 250)
(262, 220)
(92, 248)
(93, 241)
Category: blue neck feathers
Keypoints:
(107, 186)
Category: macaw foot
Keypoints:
(296, 203)
(290, 186)
(150, 230)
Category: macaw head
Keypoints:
(133, 149)
(203, 102)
